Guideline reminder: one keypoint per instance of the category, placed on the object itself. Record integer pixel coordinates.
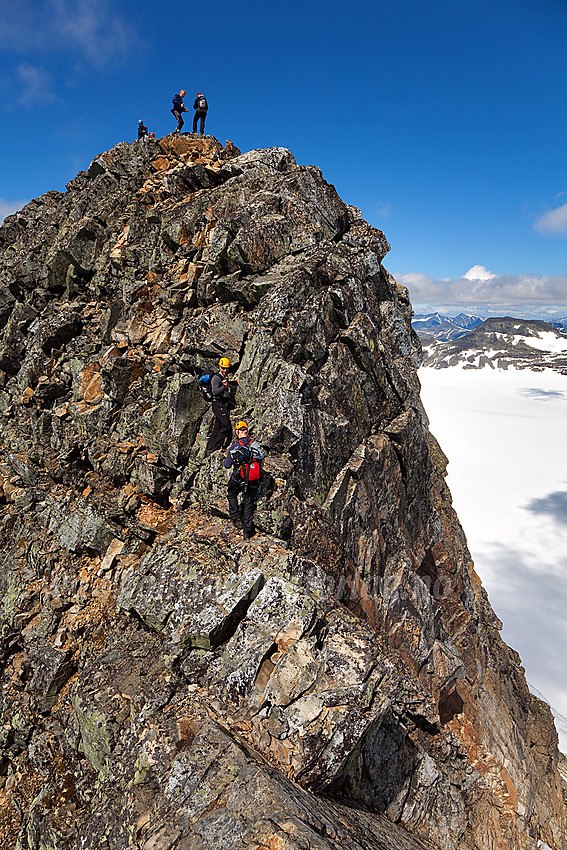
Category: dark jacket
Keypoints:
(256, 453)
(178, 103)
(218, 391)
(198, 100)
(142, 131)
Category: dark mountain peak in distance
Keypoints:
(440, 327)
(502, 343)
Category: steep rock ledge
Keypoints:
(338, 682)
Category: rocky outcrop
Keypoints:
(338, 681)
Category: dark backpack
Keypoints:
(202, 105)
(205, 386)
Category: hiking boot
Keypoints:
(247, 534)
(236, 522)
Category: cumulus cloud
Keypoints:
(554, 221)
(479, 273)
(9, 207)
(507, 290)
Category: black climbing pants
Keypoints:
(178, 116)
(222, 429)
(249, 499)
(202, 116)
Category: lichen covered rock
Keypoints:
(338, 680)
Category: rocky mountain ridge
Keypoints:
(435, 327)
(501, 343)
(340, 680)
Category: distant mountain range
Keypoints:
(473, 343)
(442, 328)
(435, 326)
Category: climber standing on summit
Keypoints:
(142, 130)
(178, 108)
(221, 404)
(246, 456)
(200, 106)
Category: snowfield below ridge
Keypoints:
(505, 434)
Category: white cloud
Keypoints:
(9, 207)
(383, 210)
(93, 29)
(479, 273)
(496, 290)
(90, 29)
(33, 85)
(554, 221)
(27, 86)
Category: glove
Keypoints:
(237, 456)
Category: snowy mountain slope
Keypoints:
(443, 328)
(501, 343)
(504, 433)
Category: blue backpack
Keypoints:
(205, 386)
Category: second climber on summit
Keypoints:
(200, 106)
(178, 108)
(221, 404)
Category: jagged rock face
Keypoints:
(339, 680)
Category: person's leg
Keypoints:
(232, 492)
(213, 438)
(248, 505)
(221, 429)
(227, 429)
(216, 436)
(195, 117)
(203, 116)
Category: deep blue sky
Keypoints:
(445, 122)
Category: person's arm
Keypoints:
(227, 462)
(218, 389)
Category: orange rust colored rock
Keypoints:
(93, 392)
(162, 163)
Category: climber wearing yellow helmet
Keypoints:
(220, 390)
(245, 456)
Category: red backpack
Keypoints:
(250, 469)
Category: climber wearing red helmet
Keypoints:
(178, 108)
